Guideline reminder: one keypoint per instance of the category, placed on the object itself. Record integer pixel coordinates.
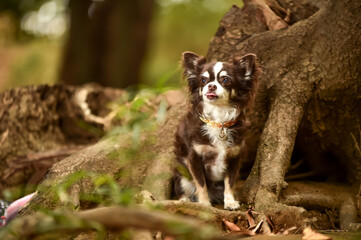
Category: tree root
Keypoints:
(322, 196)
(313, 195)
(212, 215)
(348, 214)
(270, 11)
(112, 219)
(117, 218)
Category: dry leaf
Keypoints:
(257, 227)
(266, 230)
(250, 218)
(309, 234)
(231, 226)
(289, 230)
(270, 224)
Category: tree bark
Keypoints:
(309, 91)
(107, 42)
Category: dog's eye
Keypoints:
(226, 81)
(203, 80)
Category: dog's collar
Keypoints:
(217, 124)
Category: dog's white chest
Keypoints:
(218, 169)
(216, 166)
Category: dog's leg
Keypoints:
(184, 188)
(188, 189)
(231, 176)
(229, 202)
(196, 168)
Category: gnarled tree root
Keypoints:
(109, 218)
(323, 196)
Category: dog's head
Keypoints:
(221, 83)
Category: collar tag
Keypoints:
(222, 136)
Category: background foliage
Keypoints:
(33, 34)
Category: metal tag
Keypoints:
(222, 135)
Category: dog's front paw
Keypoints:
(231, 205)
(185, 199)
(206, 203)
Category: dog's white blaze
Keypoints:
(206, 74)
(187, 187)
(222, 94)
(217, 68)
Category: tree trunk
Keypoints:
(309, 95)
(107, 42)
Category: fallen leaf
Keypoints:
(250, 218)
(266, 229)
(309, 234)
(289, 230)
(270, 224)
(231, 226)
(257, 227)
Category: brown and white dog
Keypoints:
(210, 138)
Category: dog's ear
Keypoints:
(247, 72)
(247, 65)
(192, 64)
(190, 61)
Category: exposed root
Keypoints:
(80, 98)
(210, 214)
(270, 9)
(109, 218)
(249, 189)
(313, 195)
(348, 214)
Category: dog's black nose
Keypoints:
(212, 87)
